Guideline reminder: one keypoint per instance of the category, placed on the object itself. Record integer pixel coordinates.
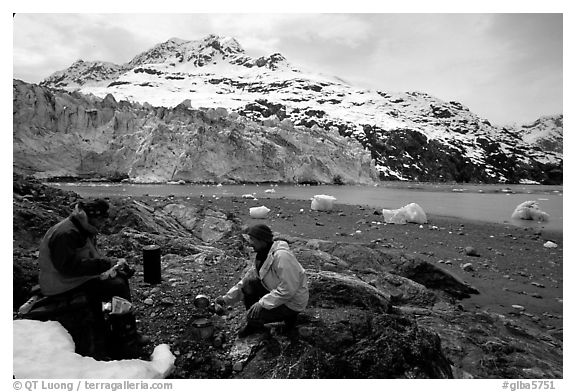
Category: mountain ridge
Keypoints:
(546, 132)
(410, 135)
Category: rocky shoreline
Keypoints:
(387, 301)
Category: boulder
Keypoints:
(331, 289)
(347, 332)
(433, 277)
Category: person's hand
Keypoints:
(219, 310)
(109, 274)
(123, 269)
(80, 214)
(255, 310)
(120, 263)
(220, 301)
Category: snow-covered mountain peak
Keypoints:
(97, 73)
(177, 41)
(552, 121)
(546, 132)
(199, 52)
(225, 44)
(212, 54)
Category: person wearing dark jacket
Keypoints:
(275, 289)
(69, 259)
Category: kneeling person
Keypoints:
(276, 289)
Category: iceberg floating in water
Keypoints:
(411, 213)
(322, 203)
(530, 210)
(259, 212)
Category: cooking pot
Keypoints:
(202, 328)
(201, 301)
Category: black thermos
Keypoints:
(152, 271)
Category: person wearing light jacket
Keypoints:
(275, 289)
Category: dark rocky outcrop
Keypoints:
(433, 277)
(350, 334)
(368, 259)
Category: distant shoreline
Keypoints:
(412, 185)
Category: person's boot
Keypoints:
(126, 342)
(290, 329)
(142, 339)
(290, 322)
(250, 329)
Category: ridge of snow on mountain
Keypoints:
(411, 135)
(546, 133)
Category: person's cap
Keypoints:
(261, 232)
(95, 207)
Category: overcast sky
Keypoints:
(504, 67)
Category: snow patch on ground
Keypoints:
(44, 349)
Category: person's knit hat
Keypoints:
(95, 207)
(261, 232)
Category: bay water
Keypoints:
(489, 203)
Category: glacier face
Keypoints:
(60, 134)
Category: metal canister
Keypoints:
(152, 268)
